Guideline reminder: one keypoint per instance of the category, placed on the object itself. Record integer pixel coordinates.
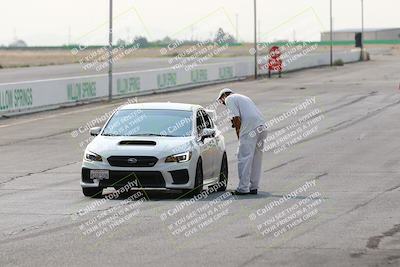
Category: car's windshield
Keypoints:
(150, 122)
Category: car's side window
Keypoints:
(199, 122)
(207, 120)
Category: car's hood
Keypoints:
(107, 146)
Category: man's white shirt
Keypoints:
(243, 107)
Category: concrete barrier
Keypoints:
(315, 60)
(32, 96)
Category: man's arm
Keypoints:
(237, 123)
(234, 109)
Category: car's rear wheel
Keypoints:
(223, 175)
(94, 192)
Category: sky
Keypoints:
(59, 22)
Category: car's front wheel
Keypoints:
(223, 174)
(198, 181)
(94, 192)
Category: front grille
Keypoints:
(132, 161)
(180, 176)
(148, 179)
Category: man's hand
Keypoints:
(237, 123)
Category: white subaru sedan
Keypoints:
(156, 146)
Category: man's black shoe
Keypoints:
(237, 193)
(253, 192)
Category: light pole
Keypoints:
(331, 34)
(237, 28)
(110, 56)
(255, 40)
(362, 30)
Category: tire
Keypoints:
(94, 192)
(223, 174)
(198, 181)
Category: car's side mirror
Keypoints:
(95, 131)
(207, 133)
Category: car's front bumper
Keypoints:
(162, 175)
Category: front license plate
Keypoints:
(99, 174)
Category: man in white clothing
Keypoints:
(250, 128)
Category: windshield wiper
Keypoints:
(110, 134)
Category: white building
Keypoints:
(369, 34)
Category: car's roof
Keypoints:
(162, 105)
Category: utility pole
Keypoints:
(69, 35)
(362, 30)
(255, 41)
(128, 34)
(331, 34)
(110, 56)
(237, 28)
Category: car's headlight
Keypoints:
(181, 157)
(90, 156)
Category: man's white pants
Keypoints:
(250, 159)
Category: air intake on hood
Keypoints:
(138, 143)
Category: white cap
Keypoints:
(224, 91)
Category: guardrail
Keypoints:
(32, 96)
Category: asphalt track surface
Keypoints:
(353, 156)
